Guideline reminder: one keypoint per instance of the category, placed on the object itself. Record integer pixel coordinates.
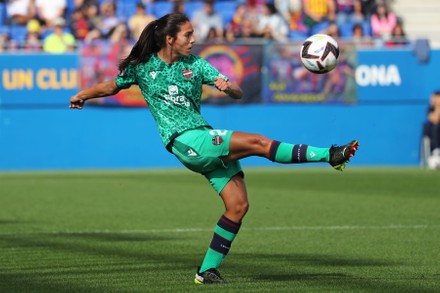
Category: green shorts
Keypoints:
(200, 151)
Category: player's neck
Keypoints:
(167, 56)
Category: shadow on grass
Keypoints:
(328, 273)
(11, 222)
(97, 262)
(88, 262)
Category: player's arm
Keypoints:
(103, 89)
(230, 88)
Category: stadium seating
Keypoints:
(162, 8)
(125, 9)
(226, 9)
(18, 33)
(3, 15)
(192, 6)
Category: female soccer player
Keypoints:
(171, 79)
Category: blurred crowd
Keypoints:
(58, 26)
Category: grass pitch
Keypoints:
(308, 230)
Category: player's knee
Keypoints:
(261, 142)
(240, 209)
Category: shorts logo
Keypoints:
(192, 153)
(217, 140)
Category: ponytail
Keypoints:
(153, 38)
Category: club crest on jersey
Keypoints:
(187, 73)
(217, 140)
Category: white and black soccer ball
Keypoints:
(320, 53)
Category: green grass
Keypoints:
(308, 230)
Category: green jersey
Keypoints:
(173, 92)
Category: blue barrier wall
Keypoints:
(386, 120)
(127, 138)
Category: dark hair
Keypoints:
(153, 38)
(272, 8)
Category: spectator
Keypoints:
(357, 32)
(431, 129)
(106, 22)
(179, 6)
(359, 38)
(50, 10)
(248, 30)
(348, 11)
(382, 22)
(79, 25)
(237, 19)
(292, 13)
(205, 19)
(59, 41)
(318, 13)
(19, 12)
(91, 13)
(120, 34)
(139, 21)
(4, 40)
(368, 7)
(286, 7)
(253, 11)
(229, 36)
(398, 37)
(271, 24)
(83, 3)
(333, 31)
(33, 37)
(212, 35)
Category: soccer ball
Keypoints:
(320, 53)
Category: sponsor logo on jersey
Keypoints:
(217, 140)
(174, 98)
(173, 90)
(153, 74)
(187, 73)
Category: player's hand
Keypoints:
(76, 103)
(221, 84)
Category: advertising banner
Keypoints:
(37, 79)
(396, 76)
(241, 64)
(287, 80)
(99, 63)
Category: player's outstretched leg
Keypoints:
(243, 145)
(340, 155)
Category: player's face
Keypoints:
(184, 41)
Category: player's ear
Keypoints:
(170, 40)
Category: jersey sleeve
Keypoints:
(126, 78)
(210, 73)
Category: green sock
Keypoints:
(224, 234)
(281, 152)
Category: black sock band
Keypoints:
(228, 225)
(220, 244)
(299, 153)
(273, 150)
